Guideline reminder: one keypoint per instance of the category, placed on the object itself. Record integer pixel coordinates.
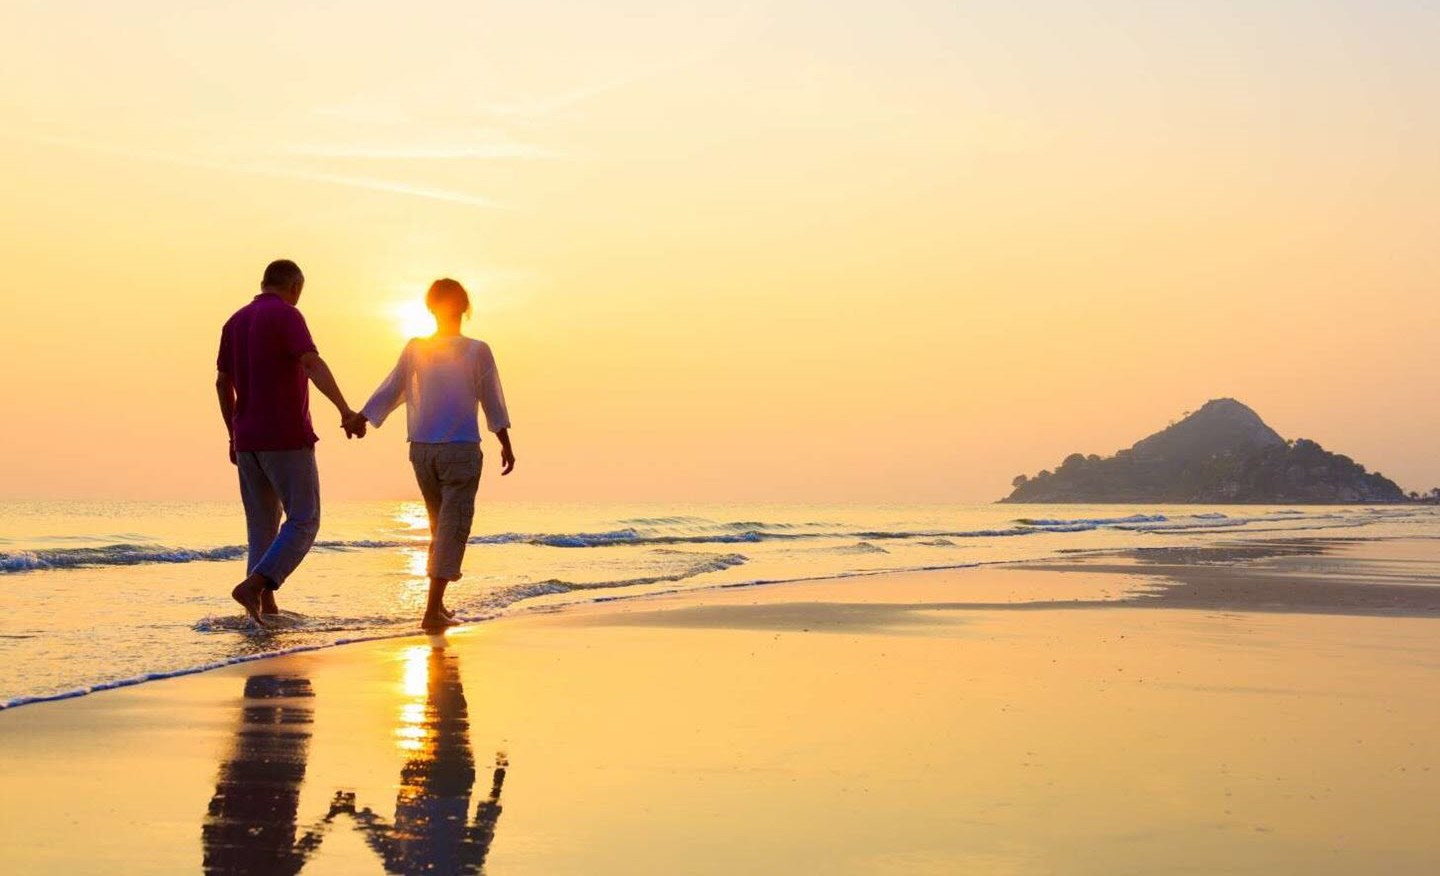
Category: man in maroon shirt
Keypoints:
(267, 361)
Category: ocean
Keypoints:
(105, 594)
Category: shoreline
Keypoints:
(520, 610)
(1227, 580)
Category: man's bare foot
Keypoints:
(267, 602)
(433, 622)
(247, 593)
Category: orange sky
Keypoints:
(793, 251)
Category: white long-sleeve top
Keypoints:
(442, 380)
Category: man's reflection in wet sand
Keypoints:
(432, 831)
(250, 826)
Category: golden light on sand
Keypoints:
(410, 730)
(417, 670)
(412, 319)
(410, 738)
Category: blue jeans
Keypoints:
(272, 481)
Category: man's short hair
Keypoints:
(281, 274)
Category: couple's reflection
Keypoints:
(251, 826)
(432, 831)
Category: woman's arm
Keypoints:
(507, 453)
(488, 390)
(492, 401)
(390, 393)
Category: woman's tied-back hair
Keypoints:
(446, 294)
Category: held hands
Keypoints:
(354, 424)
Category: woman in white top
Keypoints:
(444, 380)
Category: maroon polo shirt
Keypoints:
(260, 348)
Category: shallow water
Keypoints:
(100, 594)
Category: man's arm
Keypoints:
(319, 374)
(225, 389)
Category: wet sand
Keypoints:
(1257, 711)
(1399, 578)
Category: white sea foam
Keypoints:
(1096, 521)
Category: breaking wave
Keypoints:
(661, 532)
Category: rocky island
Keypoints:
(1222, 453)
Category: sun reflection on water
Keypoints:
(416, 561)
(411, 515)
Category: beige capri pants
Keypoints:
(448, 475)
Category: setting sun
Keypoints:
(412, 318)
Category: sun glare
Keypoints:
(412, 319)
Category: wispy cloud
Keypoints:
(558, 103)
(386, 134)
(264, 169)
(395, 109)
(484, 151)
(382, 185)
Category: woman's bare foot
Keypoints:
(433, 622)
(437, 616)
(247, 593)
(267, 602)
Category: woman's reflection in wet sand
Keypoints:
(432, 831)
(250, 825)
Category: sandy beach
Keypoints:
(1257, 711)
